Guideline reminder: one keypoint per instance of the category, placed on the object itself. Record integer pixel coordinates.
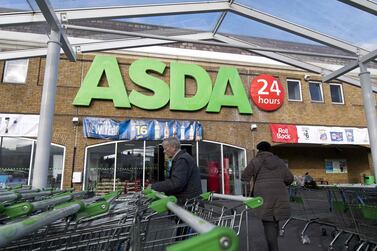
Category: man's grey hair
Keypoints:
(172, 141)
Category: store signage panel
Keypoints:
(284, 133)
(103, 128)
(319, 134)
(19, 125)
(267, 92)
(208, 96)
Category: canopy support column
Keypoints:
(370, 111)
(46, 118)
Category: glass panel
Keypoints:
(329, 17)
(59, 4)
(200, 22)
(210, 167)
(315, 91)
(14, 161)
(16, 71)
(234, 162)
(100, 168)
(129, 172)
(55, 167)
(294, 91)
(28, 5)
(242, 26)
(16, 6)
(336, 93)
(154, 162)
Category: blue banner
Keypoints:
(100, 128)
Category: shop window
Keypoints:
(15, 71)
(17, 156)
(100, 161)
(139, 163)
(55, 167)
(315, 89)
(234, 160)
(336, 91)
(294, 90)
(129, 166)
(210, 167)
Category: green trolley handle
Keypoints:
(210, 237)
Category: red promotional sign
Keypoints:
(284, 133)
(267, 92)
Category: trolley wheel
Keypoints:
(305, 240)
(334, 233)
(281, 232)
(324, 232)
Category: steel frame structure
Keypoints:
(59, 43)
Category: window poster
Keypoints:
(336, 165)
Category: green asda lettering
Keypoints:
(143, 73)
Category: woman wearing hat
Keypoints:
(270, 180)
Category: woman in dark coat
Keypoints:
(271, 178)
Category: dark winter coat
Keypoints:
(184, 179)
(271, 184)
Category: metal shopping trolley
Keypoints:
(77, 224)
(313, 207)
(180, 229)
(348, 209)
(362, 205)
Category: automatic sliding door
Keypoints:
(129, 166)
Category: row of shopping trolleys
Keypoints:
(349, 211)
(147, 220)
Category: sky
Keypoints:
(329, 17)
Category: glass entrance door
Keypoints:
(129, 166)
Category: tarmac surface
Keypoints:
(319, 237)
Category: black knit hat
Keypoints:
(264, 146)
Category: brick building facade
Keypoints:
(228, 126)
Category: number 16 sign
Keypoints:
(267, 92)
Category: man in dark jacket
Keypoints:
(271, 177)
(184, 177)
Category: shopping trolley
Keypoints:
(348, 209)
(362, 205)
(70, 225)
(180, 229)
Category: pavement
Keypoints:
(318, 237)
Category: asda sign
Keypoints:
(145, 73)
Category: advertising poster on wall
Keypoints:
(336, 165)
(284, 133)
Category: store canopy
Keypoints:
(294, 32)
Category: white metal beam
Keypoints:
(105, 45)
(288, 60)
(294, 28)
(54, 23)
(133, 43)
(365, 5)
(118, 12)
(364, 59)
(221, 19)
(199, 38)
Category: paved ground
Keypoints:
(290, 241)
(319, 237)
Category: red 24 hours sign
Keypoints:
(267, 92)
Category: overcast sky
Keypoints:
(330, 17)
